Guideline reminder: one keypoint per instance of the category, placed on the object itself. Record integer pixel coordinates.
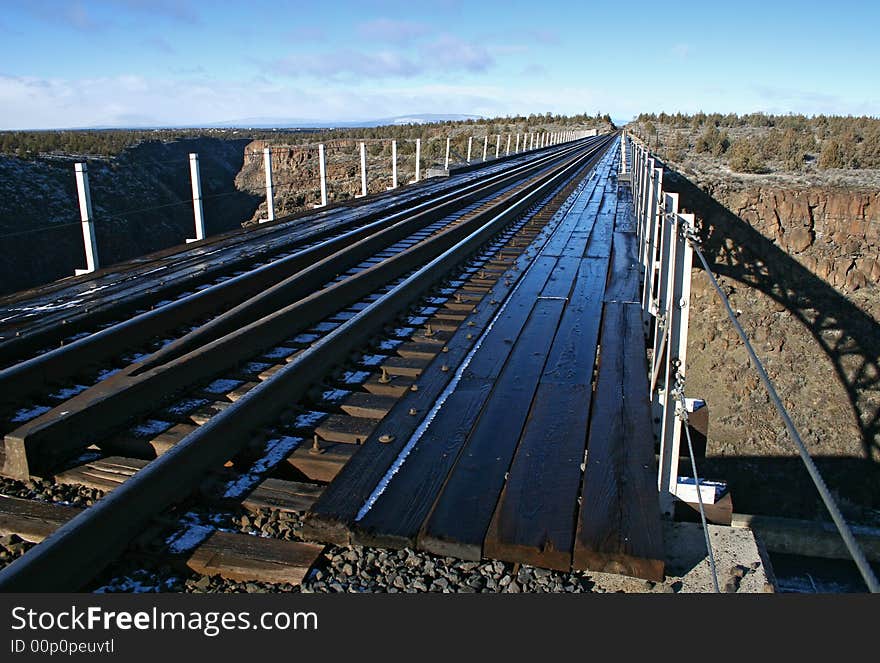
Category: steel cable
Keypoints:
(842, 527)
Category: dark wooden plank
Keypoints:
(459, 519)
(32, 520)
(535, 518)
(619, 526)
(461, 516)
(398, 514)
(280, 495)
(247, 558)
(333, 516)
(624, 275)
(600, 239)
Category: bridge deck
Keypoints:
(529, 457)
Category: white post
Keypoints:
(485, 146)
(85, 214)
(418, 159)
(498, 146)
(363, 170)
(393, 164)
(270, 198)
(470, 143)
(322, 168)
(654, 215)
(670, 436)
(623, 153)
(531, 141)
(198, 211)
(447, 153)
(516, 151)
(507, 153)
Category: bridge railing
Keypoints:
(668, 243)
(665, 257)
(478, 151)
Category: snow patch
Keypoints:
(28, 413)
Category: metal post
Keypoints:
(270, 197)
(485, 146)
(85, 213)
(363, 171)
(198, 211)
(623, 153)
(393, 164)
(664, 293)
(531, 141)
(516, 151)
(653, 213)
(322, 167)
(670, 436)
(418, 159)
(470, 144)
(446, 167)
(507, 152)
(498, 146)
(644, 195)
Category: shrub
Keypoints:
(746, 158)
(713, 141)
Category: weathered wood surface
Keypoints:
(619, 520)
(248, 558)
(280, 495)
(105, 474)
(32, 520)
(535, 517)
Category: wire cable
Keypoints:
(846, 534)
(681, 408)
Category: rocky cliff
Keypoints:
(835, 233)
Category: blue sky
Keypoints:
(183, 62)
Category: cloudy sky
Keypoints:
(79, 63)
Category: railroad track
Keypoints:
(37, 321)
(83, 361)
(296, 376)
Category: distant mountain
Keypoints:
(288, 123)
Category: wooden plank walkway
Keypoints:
(542, 451)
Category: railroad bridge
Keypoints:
(484, 365)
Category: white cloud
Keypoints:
(392, 30)
(441, 54)
(34, 103)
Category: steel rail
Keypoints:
(80, 549)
